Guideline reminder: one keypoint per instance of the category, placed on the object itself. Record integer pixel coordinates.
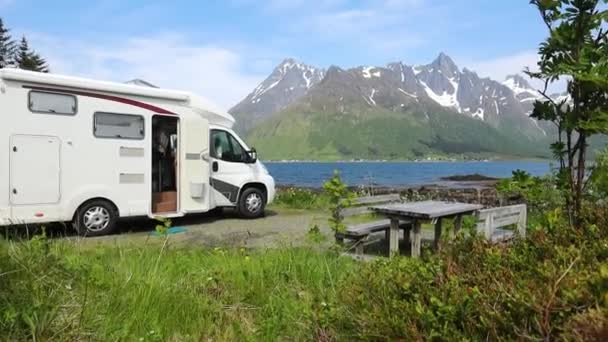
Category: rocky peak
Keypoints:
(444, 64)
(289, 81)
(517, 81)
(522, 89)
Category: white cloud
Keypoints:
(168, 60)
(379, 25)
(499, 68)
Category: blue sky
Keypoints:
(223, 48)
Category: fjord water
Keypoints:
(313, 174)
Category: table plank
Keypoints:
(425, 210)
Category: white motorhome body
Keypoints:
(86, 151)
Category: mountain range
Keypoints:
(397, 111)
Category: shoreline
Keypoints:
(439, 185)
(532, 160)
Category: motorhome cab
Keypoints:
(91, 152)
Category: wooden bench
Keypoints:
(359, 233)
(490, 222)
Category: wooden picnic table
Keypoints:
(422, 212)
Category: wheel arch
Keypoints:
(257, 185)
(96, 199)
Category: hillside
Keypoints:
(392, 112)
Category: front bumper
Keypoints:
(270, 189)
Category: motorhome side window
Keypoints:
(120, 126)
(225, 147)
(52, 103)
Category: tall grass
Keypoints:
(551, 286)
(298, 198)
(67, 291)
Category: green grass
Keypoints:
(298, 198)
(551, 286)
(68, 291)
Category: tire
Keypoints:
(252, 203)
(95, 218)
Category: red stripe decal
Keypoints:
(109, 98)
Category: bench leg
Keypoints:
(359, 247)
(416, 239)
(457, 225)
(393, 238)
(407, 231)
(387, 238)
(437, 239)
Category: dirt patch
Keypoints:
(278, 228)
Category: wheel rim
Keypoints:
(253, 202)
(96, 219)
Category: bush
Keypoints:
(551, 286)
(541, 194)
(297, 198)
(545, 287)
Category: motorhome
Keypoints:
(92, 152)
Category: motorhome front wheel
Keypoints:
(95, 218)
(252, 203)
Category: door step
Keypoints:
(164, 202)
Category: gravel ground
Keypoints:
(278, 228)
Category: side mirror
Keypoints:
(252, 156)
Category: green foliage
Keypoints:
(27, 59)
(339, 198)
(68, 292)
(163, 225)
(539, 193)
(315, 235)
(542, 288)
(7, 46)
(551, 286)
(598, 183)
(298, 198)
(576, 50)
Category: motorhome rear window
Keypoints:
(119, 126)
(52, 103)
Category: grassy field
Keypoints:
(70, 291)
(553, 285)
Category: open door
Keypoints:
(194, 154)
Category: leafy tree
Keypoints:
(7, 46)
(577, 51)
(29, 60)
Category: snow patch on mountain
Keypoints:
(408, 94)
(523, 91)
(446, 99)
(371, 97)
(479, 113)
(367, 72)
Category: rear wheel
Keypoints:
(252, 203)
(95, 218)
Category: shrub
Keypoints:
(339, 198)
(539, 193)
(297, 198)
(542, 288)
